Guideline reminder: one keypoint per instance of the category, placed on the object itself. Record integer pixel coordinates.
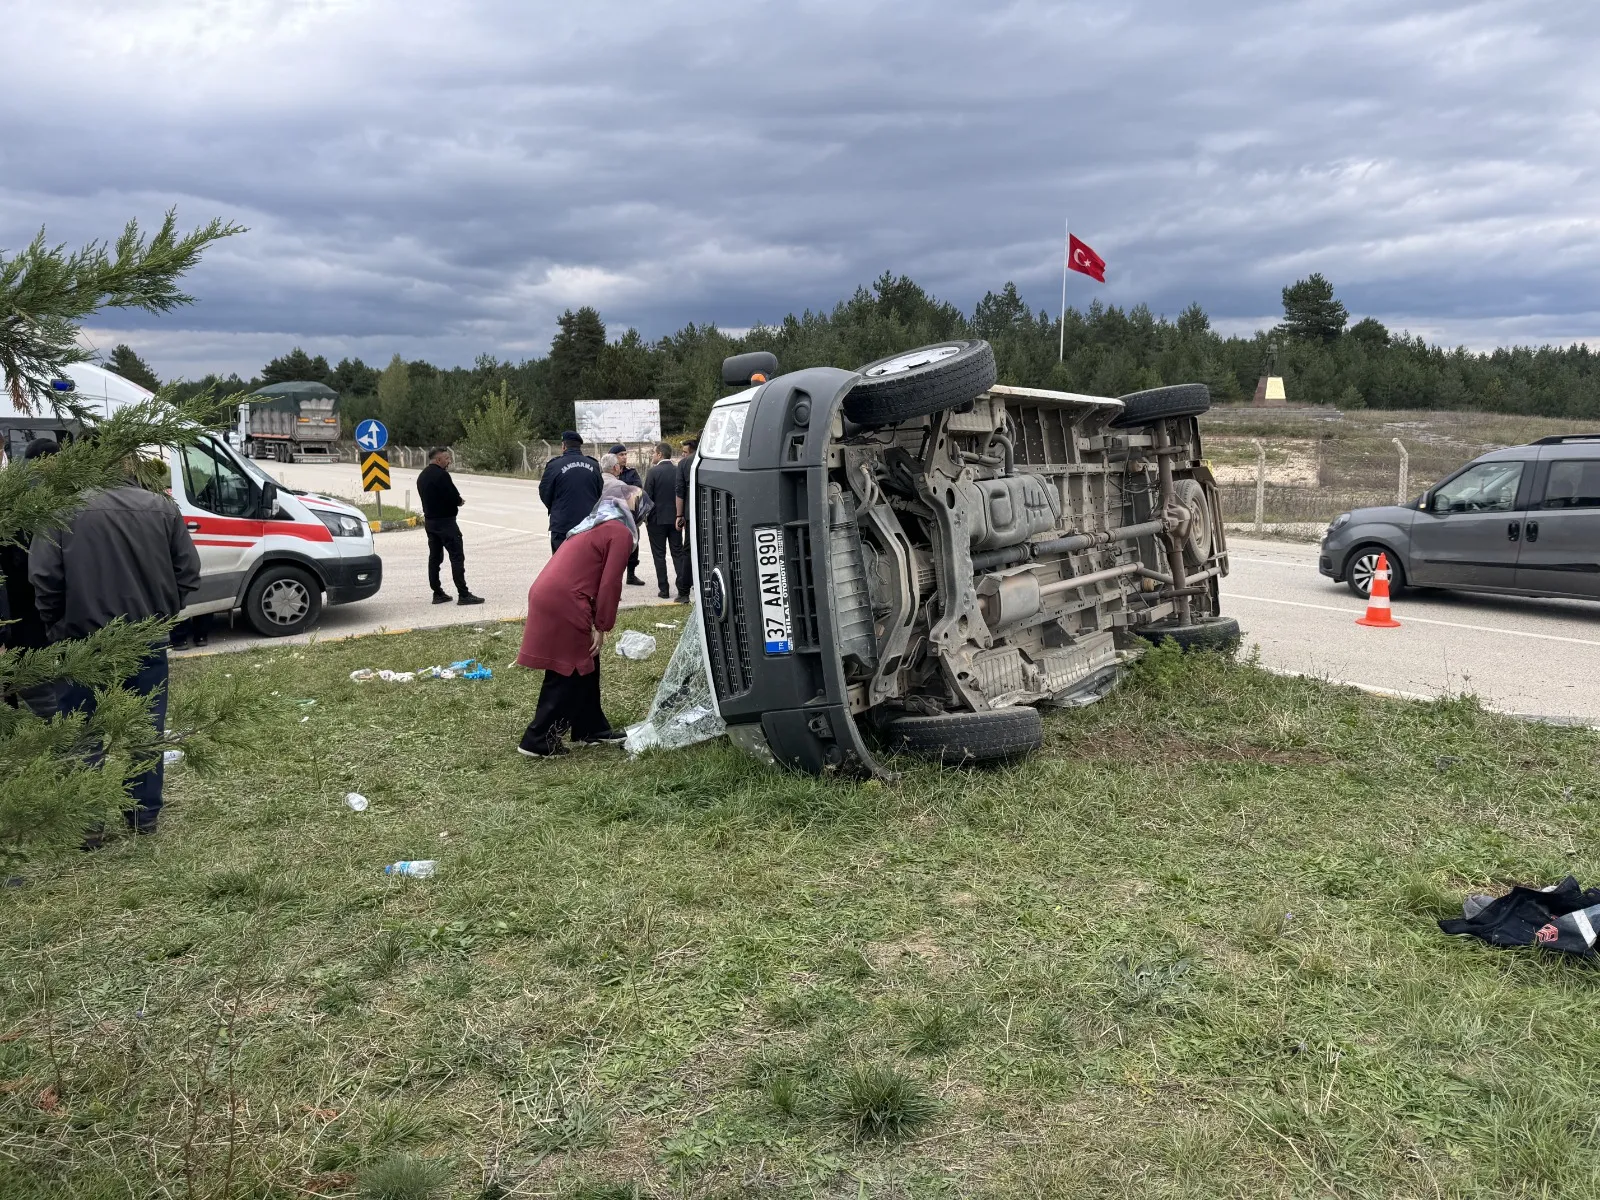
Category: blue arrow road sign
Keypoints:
(371, 435)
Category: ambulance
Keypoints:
(273, 552)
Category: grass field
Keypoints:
(1187, 951)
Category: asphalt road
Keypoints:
(507, 536)
(1532, 657)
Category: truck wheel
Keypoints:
(1208, 633)
(921, 381)
(1157, 404)
(969, 737)
(283, 600)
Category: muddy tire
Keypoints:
(1197, 546)
(1157, 404)
(968, 737)
(1220, 634)
(921, 381)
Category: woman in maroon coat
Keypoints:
(572, 605)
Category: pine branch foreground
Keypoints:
(46, 291)
(63, 775)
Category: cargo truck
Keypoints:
(290, 422)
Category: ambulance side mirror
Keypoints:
(269, 500)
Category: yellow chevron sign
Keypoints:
(374, 472)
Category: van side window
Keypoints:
(216, 485)
(1573, 483)
(1487, 487)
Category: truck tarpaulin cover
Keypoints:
(683, 711)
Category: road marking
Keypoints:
(1277, 562)
(486, 525)
(1356, 612)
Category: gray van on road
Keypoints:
(1524, 520)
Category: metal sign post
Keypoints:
(375, 477)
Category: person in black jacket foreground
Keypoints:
(440, 504)
(123, 554)
(20, 625)
(570, 487)
(661, 485)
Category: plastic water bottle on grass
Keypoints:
(421, 868)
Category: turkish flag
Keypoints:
(1084, 260)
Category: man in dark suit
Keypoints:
(661, 485)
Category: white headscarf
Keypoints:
(607, 509)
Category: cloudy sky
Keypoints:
(443, 179)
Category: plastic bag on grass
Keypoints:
(683, 711)
(636, 645)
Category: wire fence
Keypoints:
(535, 453)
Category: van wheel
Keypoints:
(1362, 566)
(1157, 404)
(969, 737)
(1204, 633)
(283, 600)
(921, 381)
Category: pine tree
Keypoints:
(132, 368)
(394, 393)
(575, 352)
(1310, 312)
(296, 367)
(48, 793)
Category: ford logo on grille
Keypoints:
(717, 595)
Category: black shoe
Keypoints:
(469, 598)
(178, 647)
(441, 597)
(662, 592)
(550, 749)
(202, 639)
(610, 735)
(682, 598)
(634, 580)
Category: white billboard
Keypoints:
(611, 421)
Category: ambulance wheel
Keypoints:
(283, 600)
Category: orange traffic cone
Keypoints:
(1378, 614)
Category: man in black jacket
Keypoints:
(22, 628)
(630, 477)
(661, 485)
(684, 464)
(125, 553)
(441, 501)
(570, 487)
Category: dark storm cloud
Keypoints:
(443, 180)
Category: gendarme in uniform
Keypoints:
(570, 487)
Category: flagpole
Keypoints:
(1066, 241)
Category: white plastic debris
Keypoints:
(355, 802)
(170, 757)
(666, 624)
(636, 645)
(421, 868)
(683, 712)
(363, 675)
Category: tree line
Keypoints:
(1103, 350)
